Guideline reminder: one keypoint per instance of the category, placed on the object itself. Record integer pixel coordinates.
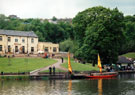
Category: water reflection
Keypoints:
(69, 87)
(100, 90)
(123, 85)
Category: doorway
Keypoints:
(23, 49)
(16, 48)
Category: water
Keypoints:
(122, 85)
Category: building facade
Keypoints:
(48, 47)
(12, 41)
(16, 42)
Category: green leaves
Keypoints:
(99, 30)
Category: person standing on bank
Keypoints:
(50, 70)
(62, 59)
(53, 70)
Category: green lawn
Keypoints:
(80, 67)
(130, 55)
(23, 64)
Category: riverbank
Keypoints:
(43, 75)
(52, 76)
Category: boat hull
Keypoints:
(102, 75)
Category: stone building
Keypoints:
(12, 41)
(48, 47)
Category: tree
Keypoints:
(3, 21)
(67, 45)
(99, 30)
(54, 18)
(129, 32)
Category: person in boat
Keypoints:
(132, 67)
(119, 67)
(111, 69)
(108, 69)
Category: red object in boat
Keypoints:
(102, 75)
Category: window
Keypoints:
(32, 49)
(16, 40)
(9, 39)
(0, 38)
(54, 49)
(46, 49)
(0, 47)
(32, 40)
(23, 40)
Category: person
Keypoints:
(53, 70)
(50, 70)
(62, 59)
(119, 66)
(132, 67)
(108, 69)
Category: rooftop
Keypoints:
(18, 33)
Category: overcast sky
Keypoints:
(60, 8)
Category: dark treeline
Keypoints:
(46, 31)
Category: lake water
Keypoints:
(122, 85)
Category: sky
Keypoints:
(60, 8)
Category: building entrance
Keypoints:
(16, 48)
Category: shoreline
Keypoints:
(48, 76)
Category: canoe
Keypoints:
(102, 75)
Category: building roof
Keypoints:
(122, 59)
(18, 33)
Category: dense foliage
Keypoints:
(99, 30)
(129, 33)
(51, 32)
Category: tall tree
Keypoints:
(99, 30)
(129, 32)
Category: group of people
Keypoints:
(52, 70)
(118, 67)
(109, 68)
(126, 67)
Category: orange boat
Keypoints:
(102, 74)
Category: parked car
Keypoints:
(40, 52)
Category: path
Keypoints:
(57, 65)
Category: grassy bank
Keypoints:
(23, 64)
(79, 66)
(130, 55)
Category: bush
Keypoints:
(67, 45)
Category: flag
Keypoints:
(99, 64)
(69, 64)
